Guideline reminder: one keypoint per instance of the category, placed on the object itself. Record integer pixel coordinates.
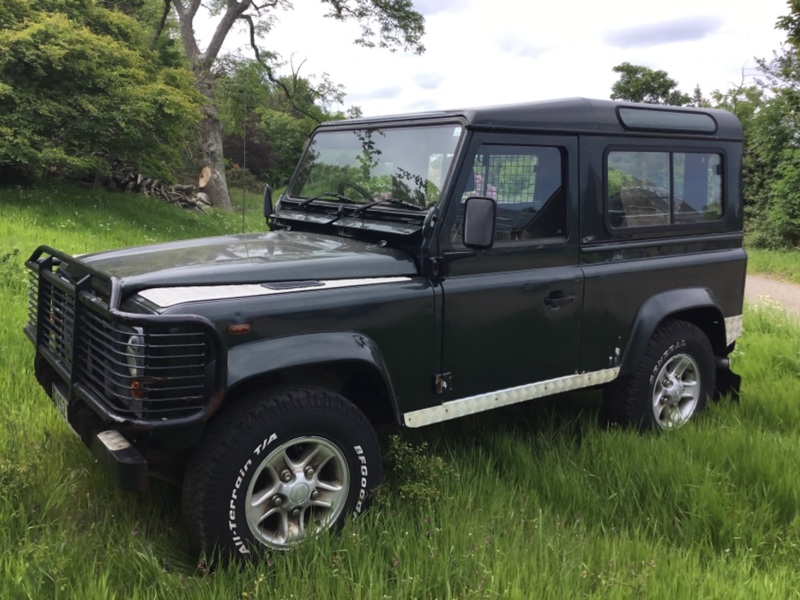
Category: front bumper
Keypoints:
(124, 464)
(125, 382)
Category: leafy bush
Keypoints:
(781, 227)
(80, 88)
(412, 474)
(238, 177)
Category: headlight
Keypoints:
(134, 354)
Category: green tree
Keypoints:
(773, 147)
(642, 84)
(698, 100)
(80, 89)
(286, 136)
(266, 123)
(779, 133)
(791, 23)
(385, 23)
(762, 147)
(746, 102)
(770, 114)
(780, 226)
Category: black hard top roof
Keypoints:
(576, 115)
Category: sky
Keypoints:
(487, 52)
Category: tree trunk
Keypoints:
(210, 126)
(211, 144)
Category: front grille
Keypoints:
(58, 325)
(147, 371)
(144, 372)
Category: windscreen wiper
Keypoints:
(331, 195)
(396, 201)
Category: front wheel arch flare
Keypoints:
(259, 361)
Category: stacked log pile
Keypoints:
(185, 196)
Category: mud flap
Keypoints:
(728, 383)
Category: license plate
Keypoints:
(60, 402)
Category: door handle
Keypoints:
(557, 299)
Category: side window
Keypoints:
(647, 189)
(528, 184)
(698, 187)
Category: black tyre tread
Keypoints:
(222, 438)
(611, 412)
(622, 402)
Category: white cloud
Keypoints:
(386, 93)
(518, 46)
(664, 32)
(429, 81)
(483, 52)
(432, 7)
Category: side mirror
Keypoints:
(267, 201)
(479, 222)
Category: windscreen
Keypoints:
(364, 165)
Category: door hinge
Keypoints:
(442, 382)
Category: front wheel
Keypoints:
(671, 383)
(277, 468)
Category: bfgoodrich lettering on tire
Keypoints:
(277, 467)
(671, 383)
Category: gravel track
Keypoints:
(763, 289)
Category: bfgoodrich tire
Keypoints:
(671, 383)
(277, 467)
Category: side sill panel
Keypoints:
(482, 402)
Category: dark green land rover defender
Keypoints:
(418, 268)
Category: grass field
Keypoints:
(537, 501)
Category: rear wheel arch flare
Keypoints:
(693, 305)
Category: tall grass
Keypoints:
(783, 264)
(81, 221)
(534, 501)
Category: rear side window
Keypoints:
(651, 188)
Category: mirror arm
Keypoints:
(267, 201)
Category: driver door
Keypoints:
(512, 314)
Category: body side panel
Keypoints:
(653, 272)
(398, 318)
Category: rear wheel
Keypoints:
(279, 467)
(671, 383)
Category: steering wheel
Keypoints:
(351, 184)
